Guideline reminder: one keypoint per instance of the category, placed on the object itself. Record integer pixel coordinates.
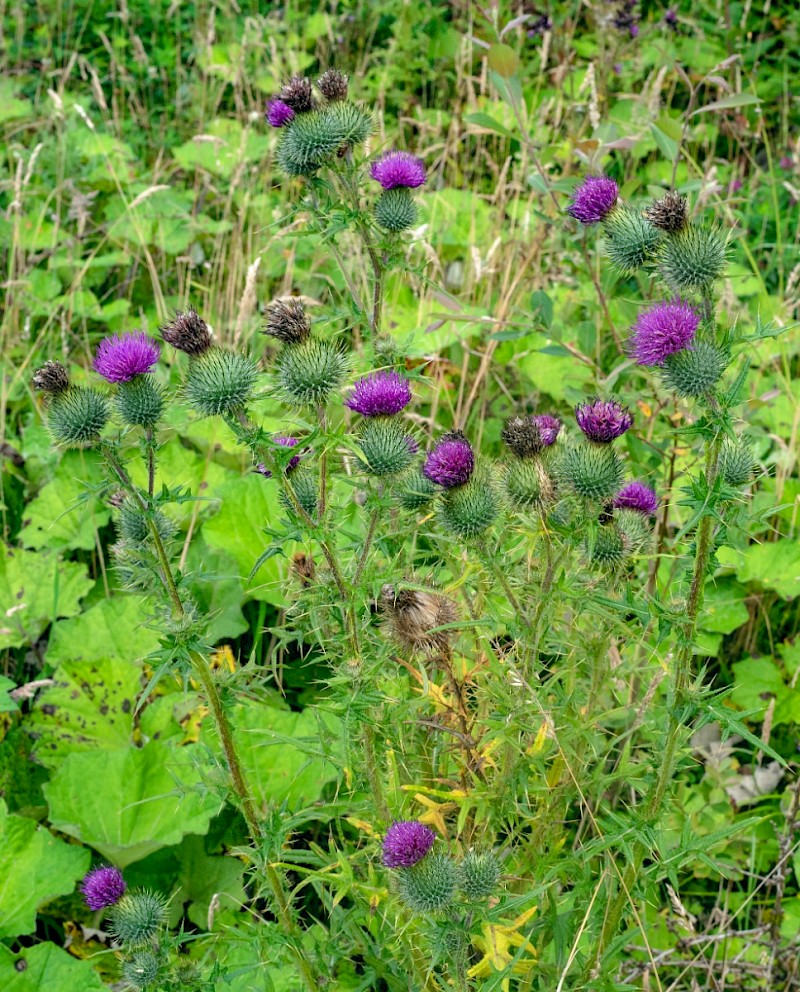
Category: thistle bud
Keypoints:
(631, 240)
(332, 84)
(692, 259)
(141, 969)
(137, 918)
(669, 213)
(469, 509)
(187, 332)
(287, 321)
(306, 489)
(430, 885)
(527, 484)
(139, 402)
(134, 524)
(737, 462)
(694, 371)
(478, 874)
(308, 373)
(395, 210)
(594, 471)
(416, 491)
(52, 377)
(386, 448)
(76, 416)
(608, 547)
(220, 382)
(412, 616)
(634, 530)
(316, 137)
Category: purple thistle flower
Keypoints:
(603, 421)
(549, 426)
(286, 442)
(398, 169)
(593, 199)
(406, 843)
(380, 394)
(662, 330)
(124, 356)
(451, 462)
(637, 496)
(103, 887)
(279, 114)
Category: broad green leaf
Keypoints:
(488, 123)
(729, 102)
(46, 968)
(140, 799)
(61, 517)
(204, 877)
(723, 607)
(11, 107)
(248, 505)
(113, 628)
(220, 151)
(667, 145)
(35, 866)
(277, 770)
(90, 707)
(218, 590)
(757, 681)
(774, 565)
(36, 589)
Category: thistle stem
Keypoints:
(151, 462)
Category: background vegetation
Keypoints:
(136, 177)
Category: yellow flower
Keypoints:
(499, 944)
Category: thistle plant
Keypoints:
(467, 603)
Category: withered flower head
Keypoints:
(188, 332)
(298, 94)
(52, 377)
(333, 85)
(303, 568)
(287, 321)
(522, 436)
(669, 213)
(412, 615)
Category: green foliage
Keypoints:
(46, 967)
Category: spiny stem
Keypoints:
(151, 463)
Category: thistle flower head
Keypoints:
(398, 169)
(332, 84)
(279, 114)
(662, 330)
(406, 843)
(52, 377)
(287, 321)
(637, 496)
(603, 421)
(285, 442)
(379, 394)
(298, 94)
(451, 462)
(188, 332)
(123, 356)
(103, 887)
(593, 199)
(549, 426)
(522, 436)
(669, 213)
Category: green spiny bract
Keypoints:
(141, 969)
(134, 524)
(608, 547)
(315, 137)
(469, 509)
(594, 471)
(737, 462)
(306, 488)
(395, 209)
(139, 402)
(692, 259)
(478, 874)
(430, 885)
(76, 416)
(415, 491)
(694, 371)
(527, 484)
(309, 372)
(631, 240)
(137, 918)
(386, 448)
(220, 382)
(635, 530)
